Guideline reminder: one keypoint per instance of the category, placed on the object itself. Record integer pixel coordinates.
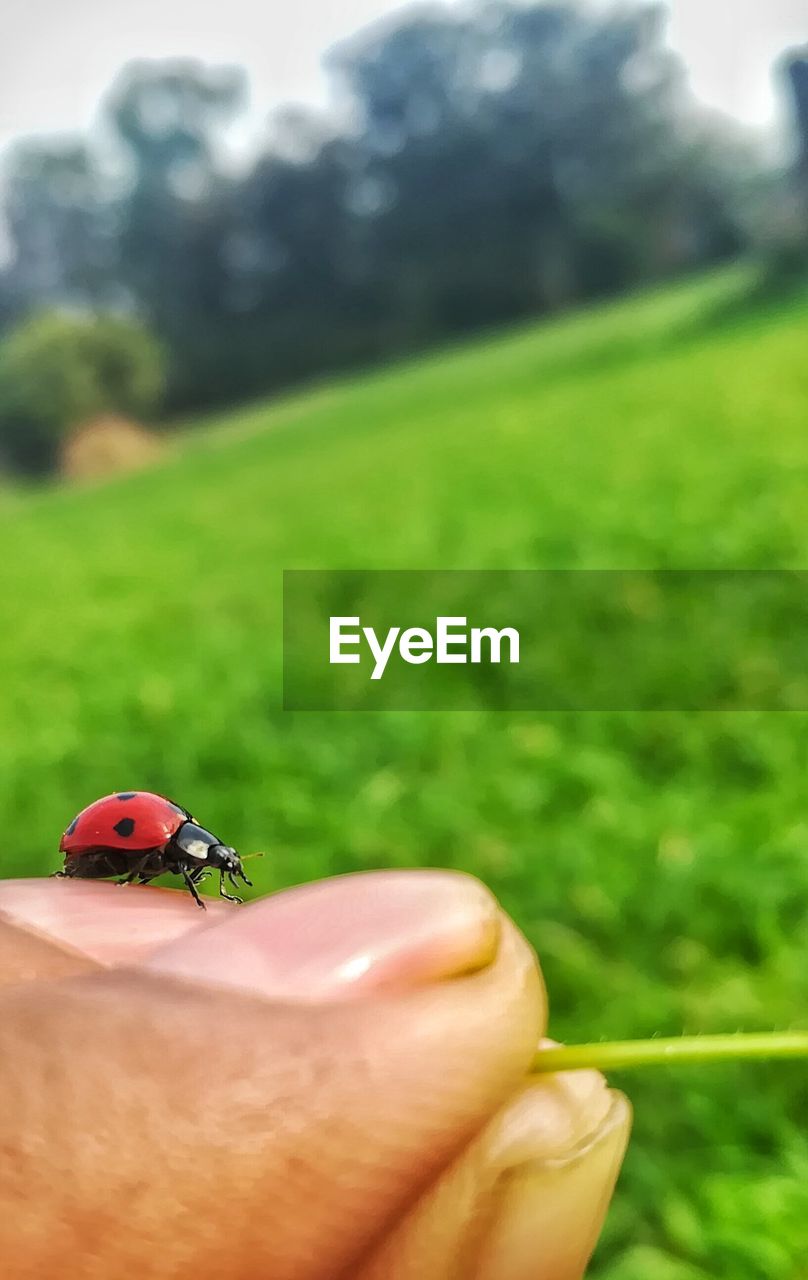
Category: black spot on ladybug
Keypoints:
(72, 826)
(125, 827)
(125, 795)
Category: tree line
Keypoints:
(477, 165)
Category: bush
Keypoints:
(60, 370)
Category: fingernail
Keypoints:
(110, 924)
(344, 938)
(557, 1176)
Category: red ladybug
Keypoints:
(138, 835)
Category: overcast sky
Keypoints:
(57, 56)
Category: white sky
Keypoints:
(58, 56)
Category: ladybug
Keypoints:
(139, 835)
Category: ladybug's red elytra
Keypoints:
(138, 835)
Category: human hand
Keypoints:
(329, 1084)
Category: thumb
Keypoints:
(265, 1096)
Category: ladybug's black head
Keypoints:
(228, 863)
(224, 858)
(201, 849)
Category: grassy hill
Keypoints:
(658, 862)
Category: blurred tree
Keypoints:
(303, 285)
(60, 370)
(797, 71)
(175, 204)
(780, 220)
(527, 156)
(797, 67)
(8, 300)
(58, 224)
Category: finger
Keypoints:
(25, 957)
(303, 1129)
(526, 1200)
(548, 1220)
(106, 923)
(335, 939)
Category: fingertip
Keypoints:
(549, 1210)
(105, 922)
(346, 937)
(526, 1200)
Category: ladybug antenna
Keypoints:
(246, 856)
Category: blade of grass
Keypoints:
(620, 1055)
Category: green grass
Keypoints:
(658, 862)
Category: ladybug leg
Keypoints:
(229, 897)
(138, 870)
(66, 872)
(190, 883)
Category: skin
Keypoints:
(327, 1084)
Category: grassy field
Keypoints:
(658, 862)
